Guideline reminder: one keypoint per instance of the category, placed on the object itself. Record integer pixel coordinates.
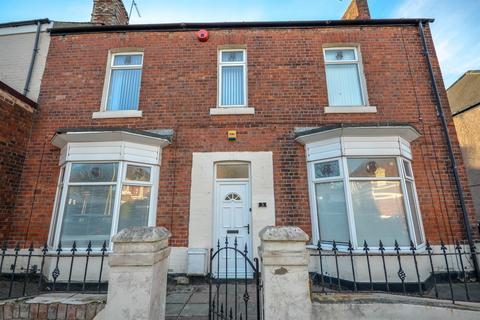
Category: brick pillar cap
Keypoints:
(142, 234)
(289, 233)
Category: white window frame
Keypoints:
(361, 79)
(62, 190)
(230, 64)
(344, 175)
(104, 112)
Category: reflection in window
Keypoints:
(378, 208)
(92, 202)
(232, 171)
(232, 196)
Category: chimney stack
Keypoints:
(109, 12)
(357, 10)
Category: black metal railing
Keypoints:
(441, 271)
(235, 291)
(27, 271)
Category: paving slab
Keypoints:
(195, 309)
(178, 297)
(173, 309)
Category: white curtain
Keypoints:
(343, 85)
(124, 89)
(232, 86)
(332, 211)
(379, 213)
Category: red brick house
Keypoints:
(331, 126)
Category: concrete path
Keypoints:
(191, 301)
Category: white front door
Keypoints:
(233, 207)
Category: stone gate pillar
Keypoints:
(284, 270)
(138, 275)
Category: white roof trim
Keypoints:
(406, 132)
(62, 139)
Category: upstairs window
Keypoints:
(124, 81)
(232, 78)
(344, 82)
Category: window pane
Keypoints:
(372, 167)
(232, 56)
(138, 173)
(232, 171)
(408, 169)
(232, 86)
(134, 207)
(93, 172)
(340, 55)
(327, 169)
(379, 213)
(413, 209)
(88, 215)
(343, 85)
(124, 89)
(128, 59)
(332, 211)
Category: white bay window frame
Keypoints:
(346, 179)
(124, 147)
(120, 182)
(346, 143)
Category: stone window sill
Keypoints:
(351, 109)
(231, 111)
(117, 114)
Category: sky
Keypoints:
(456, 30)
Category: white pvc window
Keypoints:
(98, 199)
(124, 81)
(232, 75)
(368, 199)
(344, 79)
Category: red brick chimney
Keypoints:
(109, 12)
(357, 10)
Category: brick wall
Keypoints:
(286, 81)
(17, 117)
(19, 310)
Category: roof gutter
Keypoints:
(171, 27)
(453, 161)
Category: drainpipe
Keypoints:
(32, 61)
(451, 156)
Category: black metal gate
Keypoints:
(233, 294)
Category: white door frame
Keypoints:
(216, 200)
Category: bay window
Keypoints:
(361, 185)
(102, 198)
(108, 181)
(366, 199)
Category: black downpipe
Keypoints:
(443, 122)
(32, 61)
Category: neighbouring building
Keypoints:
(23, 53)
(217, 130)
(464, 98)
(17, 113)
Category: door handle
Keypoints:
(248, 228)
